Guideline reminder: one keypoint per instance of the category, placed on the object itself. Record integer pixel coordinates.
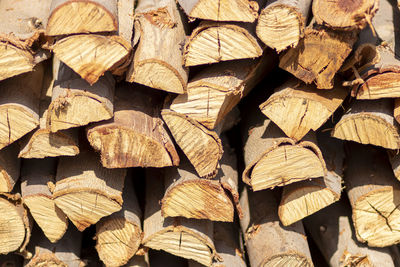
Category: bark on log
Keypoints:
(213, 42)
(190, 239)
(369, 122)
(37, 177)
(85, 191)
(334, 235)
(269, 243)
(222, 10)
(282, 22)
(297, 108)
(374, 195)
(159, 27)
(120, 234)
(9, 168)
(136, 135)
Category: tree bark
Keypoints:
(9, 168)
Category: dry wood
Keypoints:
(160, 33)
(190, 239)
(332, 231)
(213, 42)
(369, 122)
(36, 176)
(120, 234)
(222, 10)
(136, 135)
(298, 108)
(269, 243)
(374, 195)
(396, 111)
(9, 168)
(85, 191)
(318, 56)
(76, 103)
(282, 22)
(394, 158)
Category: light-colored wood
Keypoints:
(212, 42)
(36, 176)
(159, 27)
(269, 243)
(396, 111)
(298, 108)
(9, 168)
(85, 191)
(136, 136)
(369, 122)
(119, 235)
(281, 23)
(190, 239)
(374, 195)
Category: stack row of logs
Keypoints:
(127, 119)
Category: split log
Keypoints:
(318, 56)
(332, 231)
(213, 42)
(11, 260)
(120, 234)
(281, 23)
(297, 108)
(237, 10)
(15, 225)
(159, 27)
(374, 195)
(396, 111)
(76, 103)
(369, 122)
(190, 239)
(9, 168)
(85, 191)
(136, 135)
(37, 176)
(22, 24)
(269, 243)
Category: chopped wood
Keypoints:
(213, 42)
(369, 122)
(136, 136)
(119, 235)
(36, 176)
(85, 191)
(160, 34)
(332, 231)
(396, 111)
(139, 261)
(374, 195)
(269, 243)
(298, 108)
(222, 10)
(9, 168)
(281, 23)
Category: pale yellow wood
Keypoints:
(14, 61)
(9, 168)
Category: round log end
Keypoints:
(14, 61)
(380, 85)
(288, 260)
(5, 182)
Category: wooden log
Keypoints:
(213, 42)
(318, 56)
(9, 168)
(37, 177)
(269, 243)
(394, 158)
(136, 135)
(396, 111)
(11, 260)
(374, 195)
(85, 191)
(237, 10)
(15, 224)
(332, 231)
(298, 108)
(159, 27)
(74, 101)
(281, 23)
(119, 235)
(369, 122)
(190, 239)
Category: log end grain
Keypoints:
(396, 111)
(382, 85)
(288, 260)
(14, 61)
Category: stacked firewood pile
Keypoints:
(199, 132)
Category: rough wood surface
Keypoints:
(9, 168)
(269, 243)
(85, 191)
(369, 122)
(159, 27)
(298, 108)
(136, 136)
(396, 111)
(213, 42)
(281, 23)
